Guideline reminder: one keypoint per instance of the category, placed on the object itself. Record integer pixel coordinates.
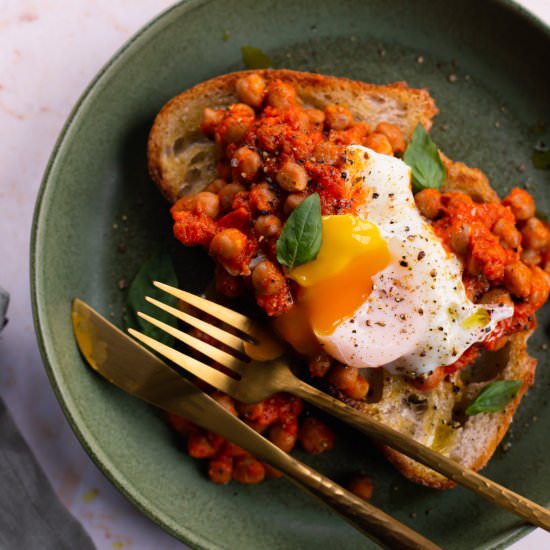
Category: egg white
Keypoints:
(417, 316)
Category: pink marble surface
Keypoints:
(50, 50)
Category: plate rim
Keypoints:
(180, 532)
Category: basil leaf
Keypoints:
(300, 240)
(254, 58)
(494, 396)
(423, 158)
(158, 267)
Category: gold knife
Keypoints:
(126, 364)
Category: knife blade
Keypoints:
(132, 368)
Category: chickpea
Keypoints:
(246, 163)
(263, 198)
(292, 406)
(232, 450)
(272, 472)
(216, 185)
(241, 110)
(460, 237)
(280, 94)
(251, 411)
(247, 469)
(338, 117)
(235, 124)
(226, 284)
(210, 119)
(180, 424)
(292, 177)
(360, 389)
(267, 279)
(531, 257)
(228, 244)
(361, 486)
(497, 296)
(379, 143)
(535, 234)
(220, 470)
(343, 376)
(268, 226)
(234, 131)
(185, 203)
(282, 438)
(199, 446)
(225, 401)
(208, 203)
(394, 135)
(227, 194)
(320, 365)
(428, 202)
(315, 116)
(251, 89)
(314, 436)
(521, 203)
(507, 233)
(540, 287)
(292, 201)
(204, 203)
(517, 278)
(327, 152)
(300, 122)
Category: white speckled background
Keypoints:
(49, 51)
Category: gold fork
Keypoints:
(257, 380)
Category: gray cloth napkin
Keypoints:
(31, 515)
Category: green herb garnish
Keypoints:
(254, 58)
(158, 267)
(423, 158)
(300, 240)
(494, 396)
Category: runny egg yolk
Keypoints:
(339, 280)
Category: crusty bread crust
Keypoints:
(182, 161)
(468, 180)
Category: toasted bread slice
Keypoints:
(183, 161)
(436, 418)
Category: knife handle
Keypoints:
(380, 527)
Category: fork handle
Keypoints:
(383, 529)
(491, 491)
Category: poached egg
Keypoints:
(383, 290)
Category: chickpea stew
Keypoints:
(275, 153)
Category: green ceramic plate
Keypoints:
(486, 65)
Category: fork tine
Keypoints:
(219, 334)
(214, 353)
(212, 376)
(241, 322)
